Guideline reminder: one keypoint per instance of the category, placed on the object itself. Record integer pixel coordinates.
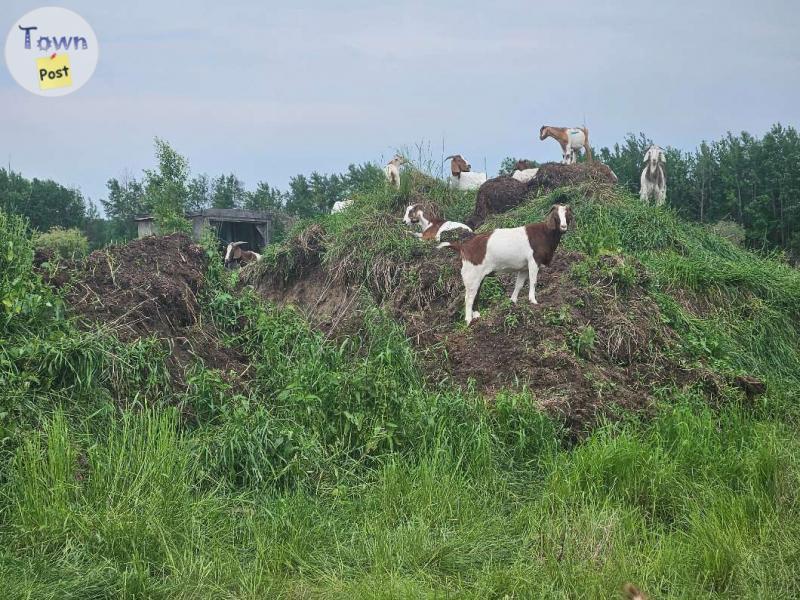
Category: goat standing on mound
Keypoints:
(429, 222)
(654, 177)
(520, 249)
(570, 139)
(235, 255)
(392, 170)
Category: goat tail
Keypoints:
(454, 245)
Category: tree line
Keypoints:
(169, 192)
(750, 181)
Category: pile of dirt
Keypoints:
(146, 287)
(503, 193)
(595, 342)
(552, 176)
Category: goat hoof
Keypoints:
(475, 315)
(533, 301)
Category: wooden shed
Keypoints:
(230, 225)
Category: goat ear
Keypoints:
(570, 218)
(552, 217)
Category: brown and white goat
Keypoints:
(521, 250)
(235, 255)
(392, 170)
(461, 175)
(458, 165)
(570, 139)
(428, 220)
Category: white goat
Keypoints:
(430, 224)
(392, 170)
(234, 254)
(467, 181)
(521, 250)
(654, 177)
(461, 175)
(340, 205)
(525, 175)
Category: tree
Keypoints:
(43, 202)
(199, 193)
(125, 201)
(316, 194)
(227, 192)
(166, 194)
(97, 229)
(264, 197)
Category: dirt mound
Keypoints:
(496, 195)
(503, 193)
(147, 287)
(555, 175)
(595, 342)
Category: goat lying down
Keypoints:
(235, 255)
(525, 175)
(467, 181)
(431, 224)
(520, 249)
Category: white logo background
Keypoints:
(51, 22)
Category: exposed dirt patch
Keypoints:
(501, 194)
(594, 343)
(552, 176)
(147, 287)
(587, 348)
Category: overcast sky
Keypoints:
(268, 90)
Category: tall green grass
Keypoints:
(336, 472)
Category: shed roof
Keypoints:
(235, 215)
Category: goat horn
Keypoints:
(450, 157)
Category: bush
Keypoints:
(730, 230)
(63, 243)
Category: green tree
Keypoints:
(199, 193)
(166, 193)
(43, 202)
(227, 192)
(96, 228)
(264, 197)
(125, 201)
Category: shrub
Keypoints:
(730, 230)
(63, 243)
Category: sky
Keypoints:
(267, 90)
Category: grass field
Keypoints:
(337, 473)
